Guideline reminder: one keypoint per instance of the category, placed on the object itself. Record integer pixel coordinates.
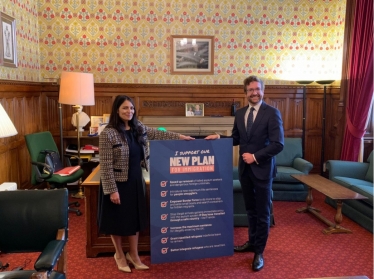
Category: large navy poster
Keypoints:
(191, 199)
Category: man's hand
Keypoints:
(248, 158)
(183, 137)
(212, 137)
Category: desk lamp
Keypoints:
(77, 89)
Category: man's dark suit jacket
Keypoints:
(266, 140)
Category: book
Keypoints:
(72, 148)
(90, 147)
(67, 171)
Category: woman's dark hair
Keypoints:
(117, 123)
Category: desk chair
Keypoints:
(38, 142)
(35, 221)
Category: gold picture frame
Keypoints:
(8, 43)
(106, 117)
(96, 121)
(194, 109)
(192, 55)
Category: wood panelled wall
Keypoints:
(33, 107)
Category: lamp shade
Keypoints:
(304, 82)
(77, 89)
(7, 128)
(325, 81)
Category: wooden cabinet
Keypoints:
(100, 243)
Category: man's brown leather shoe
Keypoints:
(258, 262)
(246, 247)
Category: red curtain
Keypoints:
(360, 80)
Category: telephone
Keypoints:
(91, 147)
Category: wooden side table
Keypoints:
(332, 190)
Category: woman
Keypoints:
(190, 111)
(122, 204)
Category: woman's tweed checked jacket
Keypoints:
(114, 154)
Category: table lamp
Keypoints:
(7, 128)
(76, 89)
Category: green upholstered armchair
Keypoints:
(358, 177)
(36, 144)
(290, 161)
(35, 221)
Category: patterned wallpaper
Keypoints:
(25, 12)
(128, 41)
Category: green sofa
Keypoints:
(289, 161)
(357, 177)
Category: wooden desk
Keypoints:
(100, 243)
(332, 190)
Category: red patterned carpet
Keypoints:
(296, 249)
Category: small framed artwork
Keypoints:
(194, 109)
(106, 117)
(94, 130)
(96, 121)
(8, 45)
(192, 55)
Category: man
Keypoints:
(258, 131)
(197, 110)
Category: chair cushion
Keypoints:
(26, 274)
(369, 174)
(55, 178)
(366, 191)
(349, 182)
(284, 174)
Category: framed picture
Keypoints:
(8, 45)
(106, 117)
(194, 109)
(192, 55)
(96, 121)
(94, 130)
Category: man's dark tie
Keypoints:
(250, 121)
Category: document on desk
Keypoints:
(191, 199)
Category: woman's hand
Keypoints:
(114, 197)
(183, 137)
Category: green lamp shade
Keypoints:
(304, 81)
(325, 82)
